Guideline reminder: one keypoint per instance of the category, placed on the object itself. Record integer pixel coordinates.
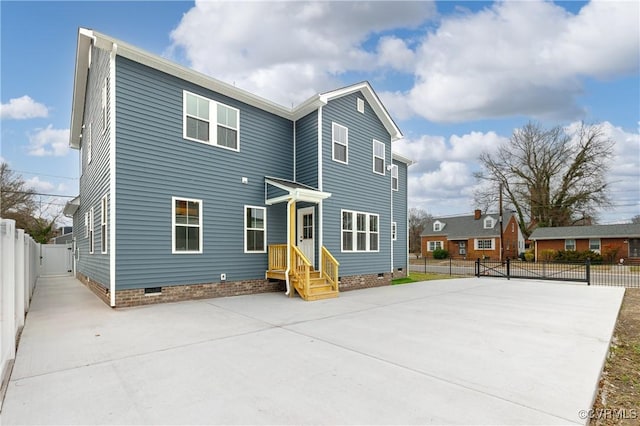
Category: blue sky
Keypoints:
(458, 77)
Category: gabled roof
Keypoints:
(464, 227)
(628, 230)
(295, 191)
(87, 37)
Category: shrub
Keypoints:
(547, 254)
(529, 256)
(578, 256)
(610, 253)
(440, 254)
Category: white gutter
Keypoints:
(391, 192)
(112, 174)
(286, 273)
(320, 218)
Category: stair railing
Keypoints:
(301, 269)
(329, 268)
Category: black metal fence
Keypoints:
(627, 275)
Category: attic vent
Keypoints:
(153, 290)
(361, 105)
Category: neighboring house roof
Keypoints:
(628, 230)
(464, 227)
(86, 37)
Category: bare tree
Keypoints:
(417, 220)
(635, 219)
(17, 200)
(549, 177)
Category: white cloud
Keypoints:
(49, 142)
(38, 185)
(287, 51)
(395, 53)
(23, 108)
(524, 58)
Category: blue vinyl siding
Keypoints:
(400, 246)
(94, 178)
(154, 163)
(354, 186)
(307, 150)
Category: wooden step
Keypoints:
(321, 295)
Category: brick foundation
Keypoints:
(177, 293)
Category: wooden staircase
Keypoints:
(307, 282)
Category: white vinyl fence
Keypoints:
(19, 270)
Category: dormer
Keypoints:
(438, 226)
(489, 222)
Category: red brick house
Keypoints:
(621, 241)
(473, 236)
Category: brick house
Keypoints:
(622, 240)
(473, 236)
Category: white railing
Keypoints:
(19, 270)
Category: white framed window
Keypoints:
(104, 105)
(91, 231)
(484, 243)
(340, 143)
(462, 248)
(360, 231)
(434, 245)
(570, 244)
(360, 104)
(186, 225)
(103, 225)
(86, 224)
(394, 177)
(378, 157)
(437, 226)
(394, 231)
(255, 229)
(89, 143)
(489, 222)
(211, 122)
(594, 245)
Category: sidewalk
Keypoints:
(472, 351)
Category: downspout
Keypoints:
(112, 175)
(320, 216)
(286, 273)
(391, 228)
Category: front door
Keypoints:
(306, 233)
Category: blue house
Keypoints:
(193, 188)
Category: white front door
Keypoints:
(306, 233)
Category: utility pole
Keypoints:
(500, 216)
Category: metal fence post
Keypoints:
(450, 267)
(588, 270)
(425, 264)
(508, 268)
(478, 267)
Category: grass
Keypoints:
(419, 276)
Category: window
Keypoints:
(360, 231)
(361, 105)
(394, 231)
(486, 244)
(434, 245)
(394, 177)
(378, 157)
(569, 244)
(187, 225)
(307, 226)
(255, 229)
(91, 231)
(340, 138)
(437, 226)
(86, 224)
(88, 139)
(462, 248)
(103, 225)
(104, 106)
(488, 223)
(200, 113)
(594, 245)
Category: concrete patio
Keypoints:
(461, 351)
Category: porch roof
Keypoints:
(71, 207)
(295, 191)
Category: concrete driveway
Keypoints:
(462, 351)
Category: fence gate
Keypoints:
(56, 259)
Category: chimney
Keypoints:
(477, 214)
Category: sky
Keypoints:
(457, 77)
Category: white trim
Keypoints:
(334, 141)
(354, 231)
(435, 242)
(574, 244)
(86, 224)
(212, 121)
(599, 249)
(476, 245)
(492, 221)
(374, 156)
(89, 138)
(92, 235)
(295, 143)
(112, 174)
(360, 105)
(396, 177)
(173, 226)
(264, 229)
(104, 106)
(104, 226)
